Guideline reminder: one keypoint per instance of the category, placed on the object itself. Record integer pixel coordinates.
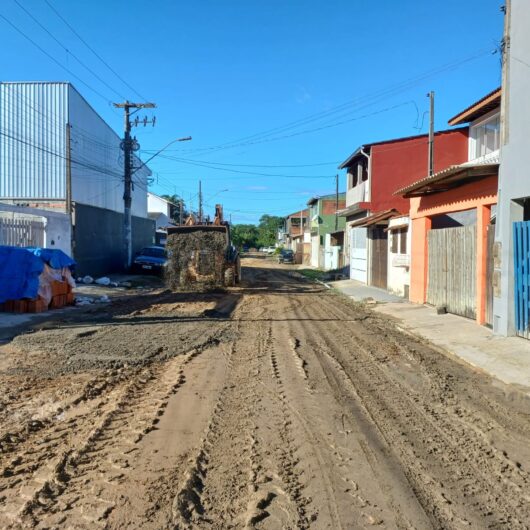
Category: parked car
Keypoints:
(150, 259)
(286, 256)
(270, 250)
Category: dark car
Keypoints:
(286, 256)
(150, 259)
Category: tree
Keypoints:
(268, 230)
(244, 234)
(174, 209)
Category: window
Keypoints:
(487, 137)
(399, 241)
(357, 174)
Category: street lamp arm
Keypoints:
(185, 139)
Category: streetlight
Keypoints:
(184, 139)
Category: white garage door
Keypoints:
(358, 255)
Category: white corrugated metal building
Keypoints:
(34, 117)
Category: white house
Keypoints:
(511, 308)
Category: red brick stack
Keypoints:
(62, 296)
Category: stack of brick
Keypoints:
(62, 296)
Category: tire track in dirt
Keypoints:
(95, 442)
(462, 463)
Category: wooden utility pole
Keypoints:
(430, 95)
(200, 202)
(127, 146)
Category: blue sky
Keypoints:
(224, 71)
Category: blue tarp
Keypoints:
(19, 273)
(20, 269)
(55, 258)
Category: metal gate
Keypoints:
(521, 245)
(452, 269)
(21, 232)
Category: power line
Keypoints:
(373, 97)
(255, 165)
(94, 52)
(209, 166)
(92, 167)
(51, 57)
(66, 49)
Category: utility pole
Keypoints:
(181, 211)
(336, 202)
(430, 95)
(200, 202)
(127, 146)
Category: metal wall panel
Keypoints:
(97, 162)
(33, 123)
(32, 140)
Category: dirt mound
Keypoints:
(195, 260)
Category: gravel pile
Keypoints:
(195, 260)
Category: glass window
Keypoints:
(487, 137)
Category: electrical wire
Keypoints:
(67, 50)
(93, 51)
(51, 57)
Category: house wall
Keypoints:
(399, 264)
(57, 227)
(158, 204)
(514, 175)
(481, 195)
(395, 165)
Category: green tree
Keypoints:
(268, 229)
(244, 234)
(175, 205)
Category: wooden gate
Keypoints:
(489, 275)
(21, 232)
(379, 257)
(452, 269)
(521, 245)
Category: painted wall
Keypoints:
(158, 204)
(480, 195)
(57, 228)
(397, 164)
(514, 176)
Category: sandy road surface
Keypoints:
(278, 405)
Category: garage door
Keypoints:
(452, 269)
(358, 254)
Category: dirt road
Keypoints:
(278, 405)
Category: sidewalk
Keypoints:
(505, 358)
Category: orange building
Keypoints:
(451, 215)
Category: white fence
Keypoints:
(22, 232)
